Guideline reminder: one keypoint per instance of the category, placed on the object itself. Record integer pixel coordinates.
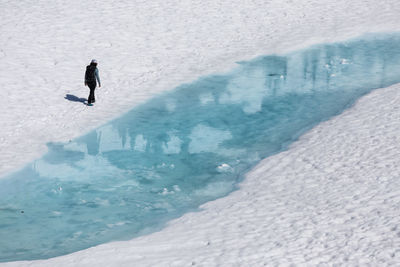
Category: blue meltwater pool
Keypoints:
(182, 148)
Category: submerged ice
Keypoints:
(182, 148)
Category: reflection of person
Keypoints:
(91, 75)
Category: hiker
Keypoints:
(91, 75)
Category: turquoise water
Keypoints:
(182, 148)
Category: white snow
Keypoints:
(332, 198)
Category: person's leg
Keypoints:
(89, 99)
(92, 86)
(91, 96)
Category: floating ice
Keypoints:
(224, 167)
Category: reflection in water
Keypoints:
(182, 148)
(93, 143)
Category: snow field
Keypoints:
(142, 48)
(295, 207)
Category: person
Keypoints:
(91, 75)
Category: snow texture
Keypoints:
(332, 198)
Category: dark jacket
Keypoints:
(92, 74)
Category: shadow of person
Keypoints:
(75, 98)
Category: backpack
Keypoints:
(90, 74)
